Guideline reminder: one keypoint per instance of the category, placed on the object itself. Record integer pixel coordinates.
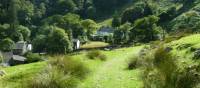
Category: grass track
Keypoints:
(113, 72)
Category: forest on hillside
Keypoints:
(41, 22)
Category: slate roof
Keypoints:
(18, 58)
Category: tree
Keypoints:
(140, 10)
(24, 31)
(116, 22)
(4, 31)
(144, 29)
(6, 45)
(121, 35)
(89, 26)
(40, 43)
(58, 42)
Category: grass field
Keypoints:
(111, 73)
(96, 44)
(102, 72)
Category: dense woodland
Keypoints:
(41, 22)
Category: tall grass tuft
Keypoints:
(61, 72)
(96, 54)
(160, 70)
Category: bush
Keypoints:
(53, 78)
(189, 77)
(133, 63)
(62, 72)
(69, 65)
(162, 71)
(32, 57)
(197, 54)
(96, 54)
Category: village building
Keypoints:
(103, 33)
(15, 56)
(76, 44)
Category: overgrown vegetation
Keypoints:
(161, 70)
(1, 58)
(62, 72)
(96, 54)
(33, 57)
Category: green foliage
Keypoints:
(133, 63)
(69, 65)
(139, 10)
(39, 43)
(62, 72)
(6, 45)
(33, 57)
(145, 29)
(121, 35)
(58, 42)
(52, 78)
(89, 26)
(161, 70)
(116, 22)
(4, 29)
(1, 58)
(24, 31)
(188, 22)
(106, 7)
(96, 54)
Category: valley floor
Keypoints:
(111, 73)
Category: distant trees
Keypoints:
(58, 42)
(89, 26)
(6, 45)
(121, 35)
(188, 22)
(139, 11)
(116, 22)
(24, 31)
(54, 41)
(145, 29)
(142, 30)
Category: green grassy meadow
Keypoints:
(111, 73)
(102, 72)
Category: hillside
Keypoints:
(99, 43)
(114, 68)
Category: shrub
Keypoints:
(133, 63)
(197, 54)
(161, 71)
(32, 57)
(183, 46)
(96, 54)
(53, 78)
(189, 77)
(62, 72)
(69, 65)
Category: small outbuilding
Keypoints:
(76, 44)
